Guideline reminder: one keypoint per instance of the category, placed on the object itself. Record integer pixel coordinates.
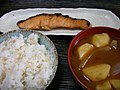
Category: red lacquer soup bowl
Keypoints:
(79, 77)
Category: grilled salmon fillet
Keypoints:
(53, 21)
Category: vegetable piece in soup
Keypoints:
(114, 44)
(104, 86)
(84, 50)
(97, 72)
(115, 83)
(100, 40)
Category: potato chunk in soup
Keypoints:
(115, 83)
(104, 86)
(100, 40)
(84, 50)
(97, 72)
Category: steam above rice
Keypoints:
(24, 64)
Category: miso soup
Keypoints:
(97, 64)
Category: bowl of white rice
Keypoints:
(28, 60)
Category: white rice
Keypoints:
(24, 64)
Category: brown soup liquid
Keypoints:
(101, 56)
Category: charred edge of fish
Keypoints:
(88, 23)
(1, 32)
(56, 14)
(43, 14)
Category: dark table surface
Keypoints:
(63, 79)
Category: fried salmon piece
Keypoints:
(53, 21)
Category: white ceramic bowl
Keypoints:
(42, 39)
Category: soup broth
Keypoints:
(100, 55)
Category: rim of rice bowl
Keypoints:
(28, 60)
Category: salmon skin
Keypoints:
(53, 21)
